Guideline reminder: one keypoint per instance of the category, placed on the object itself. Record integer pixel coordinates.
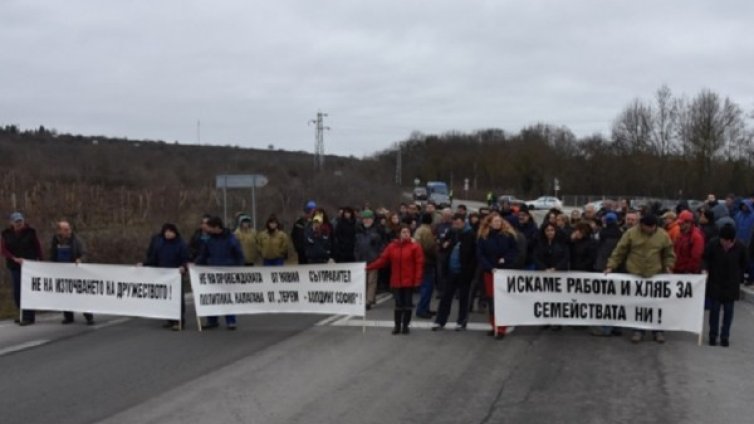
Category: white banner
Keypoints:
(103, 289)
(663, 302)
(309, 289)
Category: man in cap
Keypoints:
(298, 234)
(20, 242)
(645, 250)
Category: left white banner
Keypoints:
(101, 289)
(304, 289)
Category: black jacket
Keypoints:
(345, 240)
(552, 255)
(725, 270)
(609, 238)
(23, 244)
(467, 252)
(583, 254)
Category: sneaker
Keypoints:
(660, 338)
(636, 337)
(437, 327)
(460, 327)
(724, 343)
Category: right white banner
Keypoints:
(663, 302)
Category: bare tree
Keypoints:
(632, 130)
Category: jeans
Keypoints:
(714, 319)
(425, 292)
(273, 262)
(462, 284)
(229, 320)
(15, 275)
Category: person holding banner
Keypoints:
(19, 242)
(272, 244)
(725, 261)
(221, 249)
(406, 261)
(67, 247)
(496, 249)
(167, 250)
(645, 250)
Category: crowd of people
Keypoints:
(452, 254)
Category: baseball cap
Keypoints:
(686, 216)
(16, 216)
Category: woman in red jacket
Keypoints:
(406, 261)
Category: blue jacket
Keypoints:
(221, 250)
(745, 222)
(497, 245)
(164, 253)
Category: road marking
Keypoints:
(22, 346)
(328, 320)
(422, 325)
(110, 323)
(384, 297)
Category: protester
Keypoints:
(744, 227)
(608, 238)
(426, 239)
(671, 225)
(689, 246)
(298, 233)
(719, 210)
(707, 225)
(247, 237)
(406, 260)
(496, 249)
(725, 261)
(583, 248)
(222, 249)
(462, 264)
(67, 247)
(563, 224)
(630, 220)
(168, 250)
(345, 237)
(19, 242)
(442, 233)
(645, 250)
(199, 237)
(368, 246)
(318, 239)
(575, 217)
(551, 252)
(393, 228)
(527, 227)
(272, 244)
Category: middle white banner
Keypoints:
(304, 289)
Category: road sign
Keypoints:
(252, 181)
(240, 181)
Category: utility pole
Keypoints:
(319, 140)
(399, 167)
(198, 132)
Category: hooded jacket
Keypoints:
(725, 270)
(689, 249)
(406, 261)
(745, 222)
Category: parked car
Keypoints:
(545, 202)
(512, 200)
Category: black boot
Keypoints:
(406, 320)
(397, 314)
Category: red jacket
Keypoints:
(689, 248)
(406, 260)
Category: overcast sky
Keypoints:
(254, 72)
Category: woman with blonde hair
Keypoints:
(496, 249)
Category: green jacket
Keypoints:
(272, 246)
(644, 254)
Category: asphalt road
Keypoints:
(286, 369)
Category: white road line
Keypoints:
(384, 297)
(23, 346)
(422, 325)
(110, 323)
(327, 320)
